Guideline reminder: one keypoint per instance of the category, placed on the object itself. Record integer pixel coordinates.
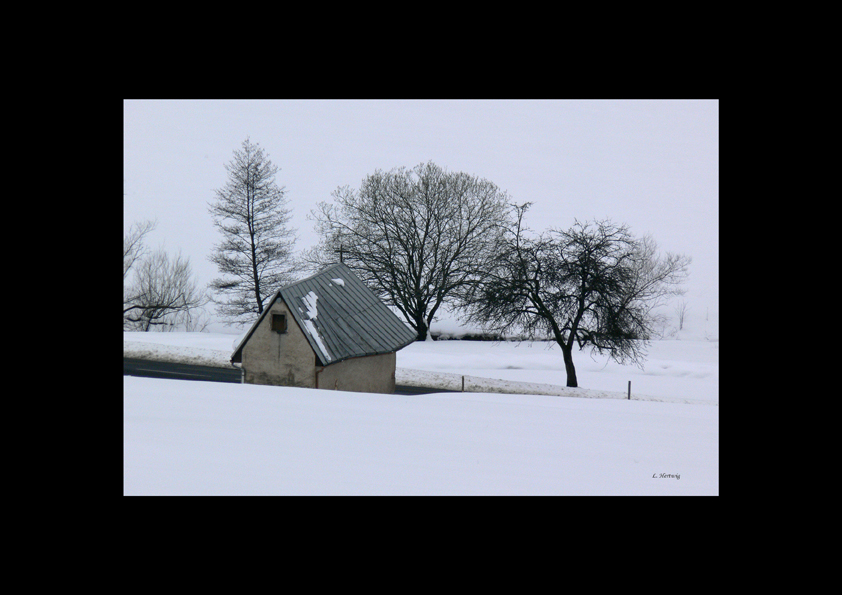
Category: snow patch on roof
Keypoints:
(340, 282)
(311, 302)
(311, 328)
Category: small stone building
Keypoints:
(327, 331)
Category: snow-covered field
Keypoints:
(520, 432)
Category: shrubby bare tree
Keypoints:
(255, 257)
(593, 285)
(162, 291)
(193, 320)
(681, 311)
(416, 237)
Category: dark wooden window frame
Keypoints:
(279, 323)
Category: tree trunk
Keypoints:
(421, 326)
(256, 277)
(567, 352)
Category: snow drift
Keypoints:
(204, 438)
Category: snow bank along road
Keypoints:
(149, 368)
(192, 363)
(152, 360)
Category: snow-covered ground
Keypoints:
(519, 432)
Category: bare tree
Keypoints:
(593, 285)
(163, 293)
(255, 256)
(416, 237)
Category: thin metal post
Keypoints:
(629, 390)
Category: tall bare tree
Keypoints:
(593, 285)
(255, 257)
(417, 237)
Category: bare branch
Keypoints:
(133, 248)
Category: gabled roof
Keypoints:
(340, 317)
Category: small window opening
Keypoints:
(279, 323)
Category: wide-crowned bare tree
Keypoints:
(416, 236)
(255, 257)
(593, 285)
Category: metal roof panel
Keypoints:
(342, 318)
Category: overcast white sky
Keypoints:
(653, 165)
